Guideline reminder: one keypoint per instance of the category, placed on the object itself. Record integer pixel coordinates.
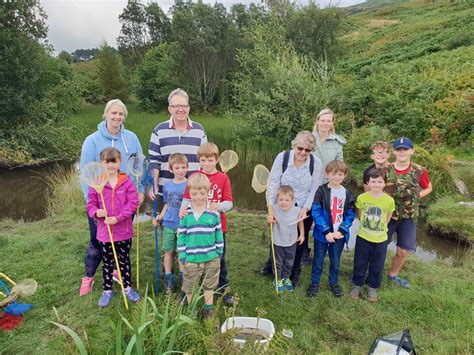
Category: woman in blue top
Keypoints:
(110, 133)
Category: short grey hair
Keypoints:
(304, 137)
(117, 102)
(178, 92)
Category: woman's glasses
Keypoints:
(306, 150)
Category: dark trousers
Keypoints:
(285, 258)
(296, 270)
(123, 255)
(334, 250)
(94, 250)
(369, 255)
(223, 280)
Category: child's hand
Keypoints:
(271, 219)
(157, 220)
(330, 238)
(183, 211)
(111, 220)
(300, 239)
(337, 235)
(213, 206)
(100, 213)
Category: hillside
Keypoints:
(408, 66)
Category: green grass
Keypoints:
(436, 310)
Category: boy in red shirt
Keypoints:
(407, 184)
(220, 199)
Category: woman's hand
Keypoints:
(303, 214)
(100, 213)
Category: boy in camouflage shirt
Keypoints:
(407, 184)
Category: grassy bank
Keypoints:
(436, 309)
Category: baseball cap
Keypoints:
(403, 142)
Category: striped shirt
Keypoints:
(166, 140)
(299, 179)
(200, 237)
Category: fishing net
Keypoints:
(94, 175)
(260, 178)
(136, 164)
(24, 288)
(228, 160)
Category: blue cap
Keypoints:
(403, 142)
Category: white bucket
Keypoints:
(265, 325)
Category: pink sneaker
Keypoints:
(115, 276)
(86, 285)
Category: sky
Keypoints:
(82, 24)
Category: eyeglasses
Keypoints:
(179, 106)
(383, 152)
(300, 149)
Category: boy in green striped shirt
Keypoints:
(200, 243)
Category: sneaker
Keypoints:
(132, 295)
(336, 290)
(399, 281)
(313, 290)
(115, 276)
(169, 282)
(86, 285)
(372, 295)
(105, 299)
(355, 293)
(289, 285)
(228, 300)
(295, 282)
(280, 286)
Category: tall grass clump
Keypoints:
(66, 194)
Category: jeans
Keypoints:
(334, 250)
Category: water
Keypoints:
(251, 334)
(24, 194)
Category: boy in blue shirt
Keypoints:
(333, 213)
(173, 191)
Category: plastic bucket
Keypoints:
(250, 323)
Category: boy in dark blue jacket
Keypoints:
(333, 213)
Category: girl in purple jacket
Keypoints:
(121, 200)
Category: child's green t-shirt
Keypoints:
(373, 216)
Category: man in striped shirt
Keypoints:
(200, 243)
(177, 135)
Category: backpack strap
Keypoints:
(286, 158)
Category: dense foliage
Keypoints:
(38, 92)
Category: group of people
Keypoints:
(305, 186)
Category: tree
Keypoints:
(111, 74)
(158, 75)
(65, 56)
(206, 36)
(142, 27)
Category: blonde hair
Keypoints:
(326, 111)
(336, 166)
(178, 92)
(208, 150)
(286, 190)
(110, 155)
(117, 102)
(304, 137)
(177, 158)
(198, 182)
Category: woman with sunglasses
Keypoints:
(328, 143)
(300, 169)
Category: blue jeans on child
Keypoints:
(334, 250)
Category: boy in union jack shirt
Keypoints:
(333, 212)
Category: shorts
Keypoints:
(406, 233)
(193, 272)
(169, 240)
